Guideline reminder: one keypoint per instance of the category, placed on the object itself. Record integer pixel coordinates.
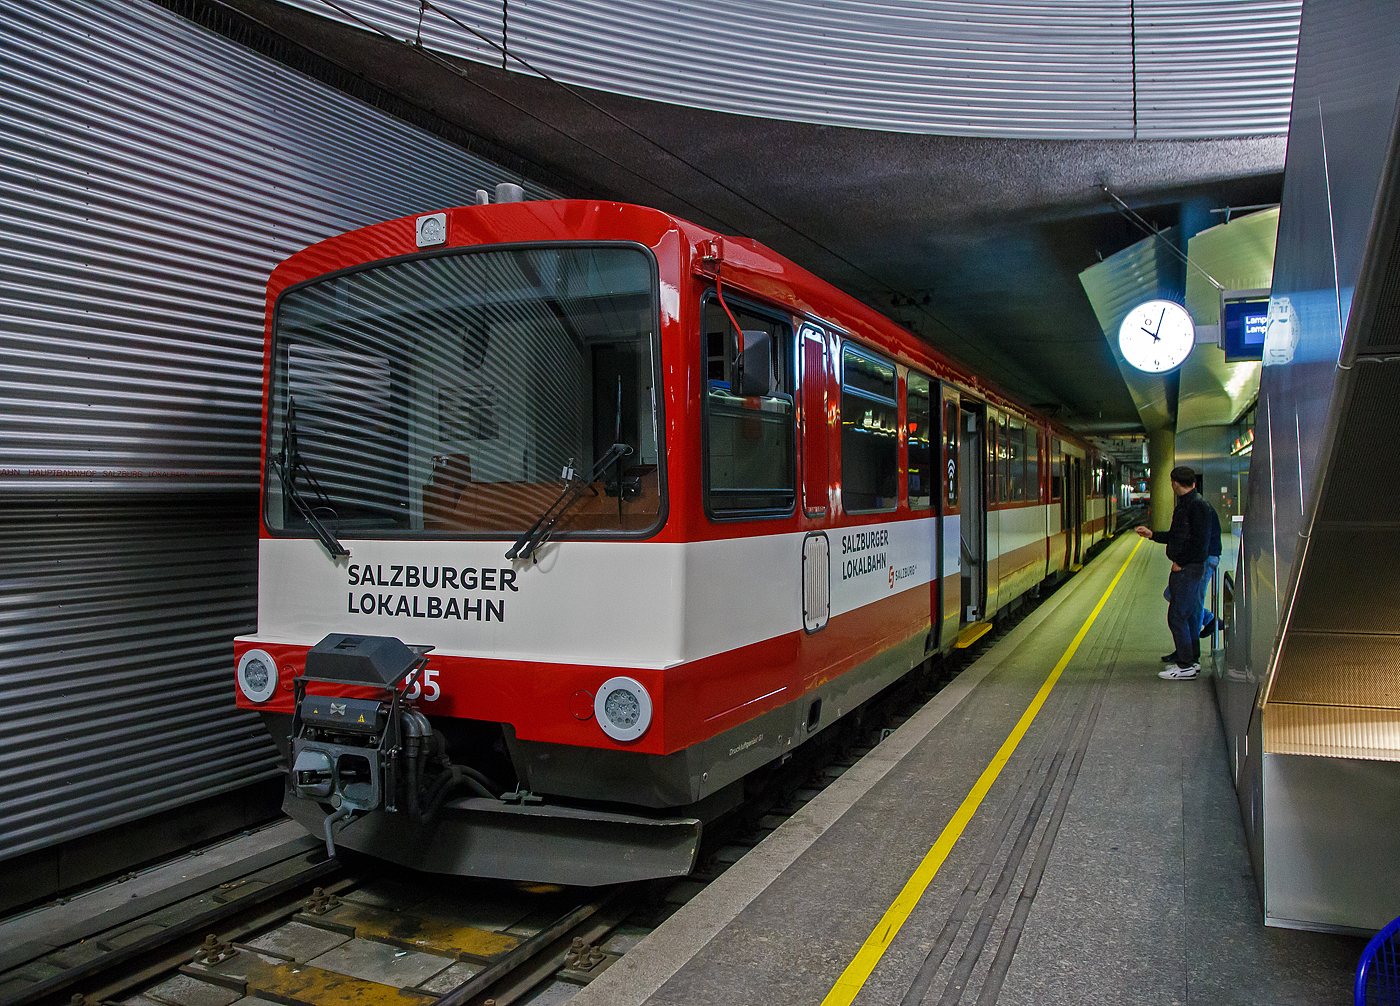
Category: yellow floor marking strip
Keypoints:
(853, 979)
(427, 933)
(280, 981)
(971, 634)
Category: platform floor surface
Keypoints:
(1106, 863)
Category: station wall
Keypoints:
(153, 174)
(1317, 601)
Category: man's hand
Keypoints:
(1146, 532)
(1176, 568)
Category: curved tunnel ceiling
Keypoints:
(1123, 69)
(975, 242)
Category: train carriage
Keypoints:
(575, 514)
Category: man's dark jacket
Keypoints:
(1188, 539)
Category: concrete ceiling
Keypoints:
(975, 244)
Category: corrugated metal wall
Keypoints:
(155, 173)
(151, 175)
(1093, 69)
(116, 620)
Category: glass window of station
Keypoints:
(454, 395)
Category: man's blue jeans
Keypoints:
(1184, 609)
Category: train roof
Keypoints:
(749, 265)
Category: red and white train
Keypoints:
(575, 514)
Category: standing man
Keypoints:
(1188, 546)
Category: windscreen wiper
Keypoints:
(574, 487)
(287, 464)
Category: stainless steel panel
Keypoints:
(955, 67)
(1330, 858)
(1344, 112)
(155, 174)
(1206, 450)
(117, 621)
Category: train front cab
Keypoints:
(842, 504)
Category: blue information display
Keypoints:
(1242, 325)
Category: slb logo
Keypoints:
(902, 573)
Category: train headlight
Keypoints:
(257, 675)
(623, 708)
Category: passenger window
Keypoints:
(919, 417)
(1003, 465)
(1016, 461)
(1033, 445)
(1067, 509)
(993, 460)
(1056, 477)
(869, 432)
(750, 425)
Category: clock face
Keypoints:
(1157, 336)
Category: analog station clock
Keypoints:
(1157, 336)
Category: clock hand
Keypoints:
(1155, 337)
(1163, 317)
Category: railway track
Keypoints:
(301, 929)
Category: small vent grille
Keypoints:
(816, 582)
(1331, 731)
(1339, 593)
(1383, 335)
(1364, 484)
(1338, 669)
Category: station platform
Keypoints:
(1057, 825)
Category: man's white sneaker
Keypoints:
(1179, 672)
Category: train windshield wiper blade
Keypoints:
(575, 486)
(286, 464)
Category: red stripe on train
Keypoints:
(691, 702)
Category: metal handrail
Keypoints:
(1214, 607)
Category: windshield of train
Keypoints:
(453, 395)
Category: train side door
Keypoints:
(972, 493)
(949, 593)
(924, 486)
(816, 421)
(1075, 468)
(816, 475)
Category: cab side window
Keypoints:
(750, 418)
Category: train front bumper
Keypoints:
(480, 837)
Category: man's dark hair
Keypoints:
(1183, 476)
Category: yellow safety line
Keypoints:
(853, 979)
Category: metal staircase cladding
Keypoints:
(1316, 648)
